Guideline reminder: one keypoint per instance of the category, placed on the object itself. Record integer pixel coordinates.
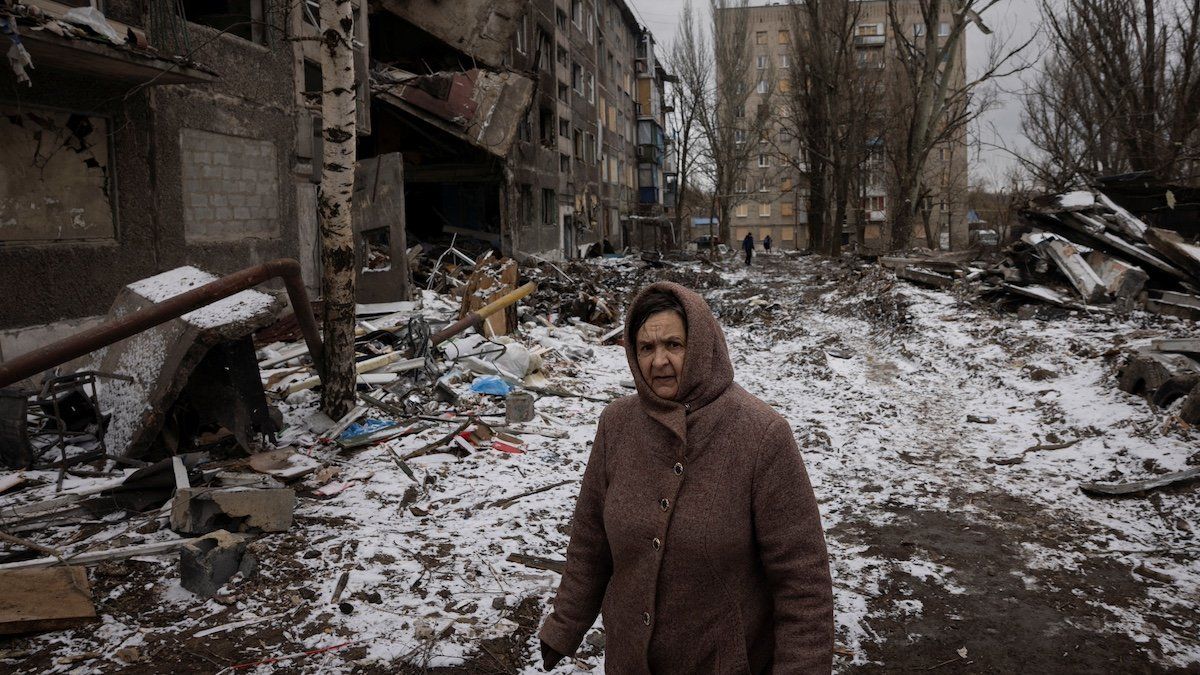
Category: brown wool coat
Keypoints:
(696, 531)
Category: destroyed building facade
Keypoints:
(551, 143)
(138, 141)
(773, 194)
(163, 134)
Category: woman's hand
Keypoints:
(550, 658)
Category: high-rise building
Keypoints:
(772, 197)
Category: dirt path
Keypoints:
(935, 548)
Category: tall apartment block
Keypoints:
(772, 199)
(582, 170)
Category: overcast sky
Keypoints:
(1011, 20)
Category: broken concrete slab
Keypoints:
(478, 106)
(481, 29)
(207, 562)
(1180, 346)
(1069, 261)
(1122, 280)
(204, 510)
(1174, 248)
(161, 359)
(1147, 370)
(1171, 303)
(37, 600)
(285, 464)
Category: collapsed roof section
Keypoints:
(481, 107)
(482, 29)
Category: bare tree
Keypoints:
(716, 71)
(933, 101)
(338, 112)
(694, 75)
(1119, 91)
(831, 107)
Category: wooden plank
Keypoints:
(1075, 269)
(100, 556)
(1040, 293)
(538, 563)
(1142, 485)
(1085, 230)
(1175, 249)
(1182, 299)
(1181, 346)
(36, 600)
(925, 277)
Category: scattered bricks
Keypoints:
(203, 510)
(207, 563)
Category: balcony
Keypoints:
(648, 195)
(869, 40)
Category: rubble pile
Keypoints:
(209, 451)
(1081, 251)
(318, 543)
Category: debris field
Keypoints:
(996, 490)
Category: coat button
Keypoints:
(665, 504)
(646, 618)
(657, 543)
(678, 469)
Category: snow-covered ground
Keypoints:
(941, 556)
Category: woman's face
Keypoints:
(661, 347)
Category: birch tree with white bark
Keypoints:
(338, 112)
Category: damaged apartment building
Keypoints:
(139, 137)
(145, 135)
(532, 126)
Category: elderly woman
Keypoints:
(696, 532)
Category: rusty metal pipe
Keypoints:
(480, 315)
(110, 332)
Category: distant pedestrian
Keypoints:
(748, 247)
(767, 243)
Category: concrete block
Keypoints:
(1123, 280)
(241, 213)
(239, 509)
(206, 564)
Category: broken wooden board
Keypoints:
(285, 464)
(38, 600)
(1174, 248)
(490, 282)
(1075, 269)
(538, 563)
(1136, 487)
(90, 557)
(1180, 305)
(1123, 281)
(1085, 230)
(930, 263)
(1042, 293)
(926, 277)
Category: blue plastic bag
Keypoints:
(490, 384)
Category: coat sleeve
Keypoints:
(589, 561)
(791, 543)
